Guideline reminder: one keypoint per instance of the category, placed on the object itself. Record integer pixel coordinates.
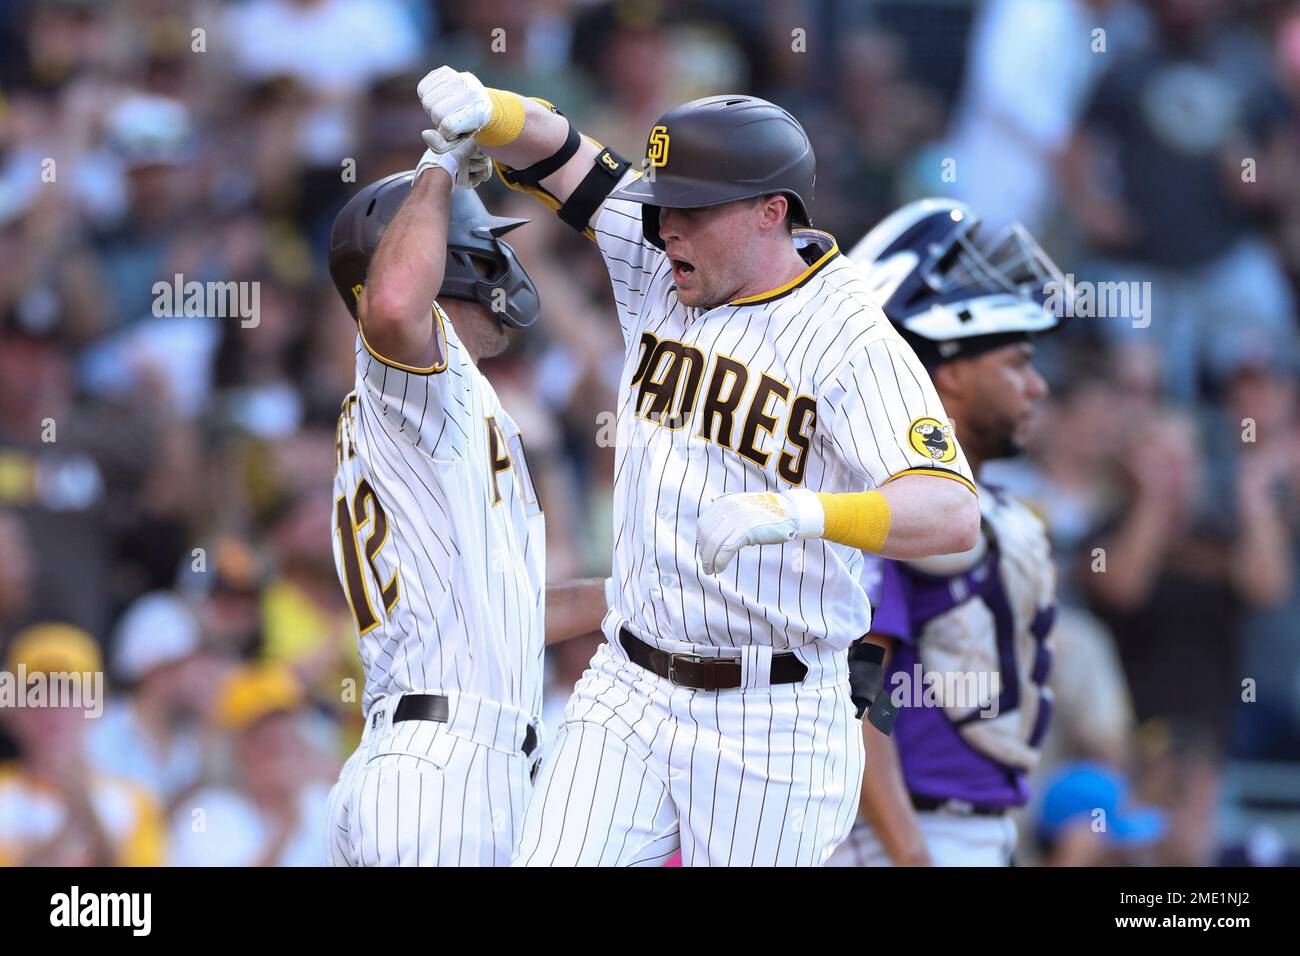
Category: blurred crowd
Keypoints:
(165, 471)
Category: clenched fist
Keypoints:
(458, 106)
(731, 522)
(466, 162)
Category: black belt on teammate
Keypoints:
(704, 673)
(952, 805)
(436, 707)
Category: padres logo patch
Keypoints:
(657, 148)
(932, 438)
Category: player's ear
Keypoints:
(775, 212)
(950, 379)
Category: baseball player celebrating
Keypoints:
(438, 533)
(717, 717)
(968, 636)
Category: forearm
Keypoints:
(915, 516)
(574, 608)
(541, 135)
(407, 269)
(885, 803)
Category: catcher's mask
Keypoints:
(481, 267)
(952, 288)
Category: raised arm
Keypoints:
(394, 309)
(542, 134)
(528, 137)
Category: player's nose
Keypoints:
(1037, 385)
(669, 224)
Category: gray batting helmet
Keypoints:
(481, 267)
(719, 149)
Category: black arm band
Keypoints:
(534, 174)
(606, 170)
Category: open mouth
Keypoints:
(681, 269)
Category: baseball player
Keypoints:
(763, 427)
(967, 637)
(438, 532)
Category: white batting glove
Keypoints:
(731, 522)
(467, 164)
(480, 167)
(457, 105)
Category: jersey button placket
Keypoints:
(659, 517)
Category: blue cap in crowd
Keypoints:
(1078, 790)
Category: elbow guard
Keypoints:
(606, 171)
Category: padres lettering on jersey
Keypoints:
(808, 385)
(439, 539)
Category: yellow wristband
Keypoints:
(859, 520)
(507, 120)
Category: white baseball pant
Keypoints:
(759, 776)
(953, 839)
(427, 793)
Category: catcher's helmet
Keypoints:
(480, 265)
(719, 149)
(954, 292)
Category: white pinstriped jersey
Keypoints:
(806, 386)
(439, 538)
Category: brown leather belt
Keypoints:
(704, 673)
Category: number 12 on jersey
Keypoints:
(349, 523)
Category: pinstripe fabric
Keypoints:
(418, 794)
(471, 569)
(714, 401)
(465, 545)
(733, 778)
(826, 339)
